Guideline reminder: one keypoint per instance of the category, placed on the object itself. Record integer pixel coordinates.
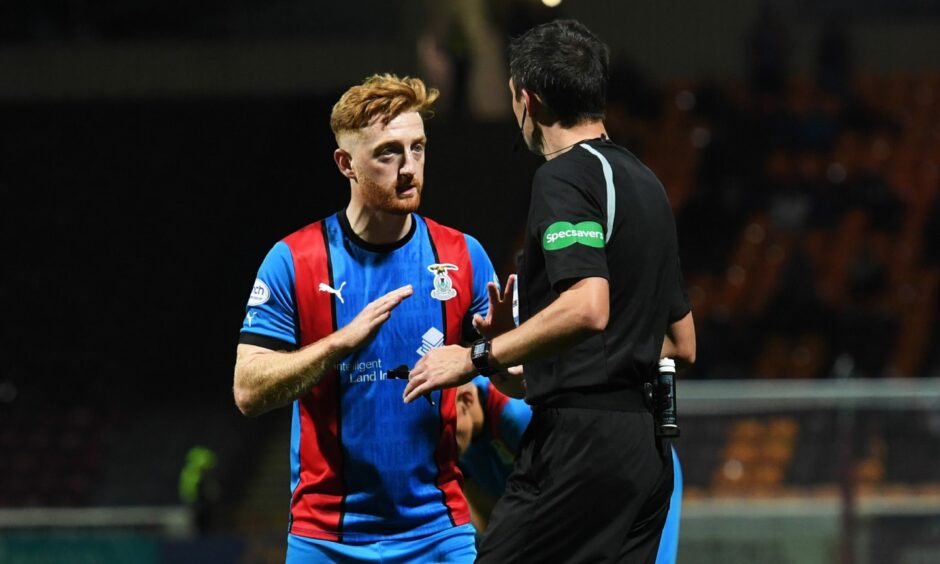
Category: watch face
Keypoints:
(479, 348)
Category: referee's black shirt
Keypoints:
(596, 210)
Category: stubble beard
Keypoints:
(387, 200)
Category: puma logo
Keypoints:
(338, 292)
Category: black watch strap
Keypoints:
(480, 357)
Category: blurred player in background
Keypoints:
(337, 307)
(490, 425)
(600, 267)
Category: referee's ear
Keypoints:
(532, 101)
(343, 161)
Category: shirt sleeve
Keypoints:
(270, 315)
(483, 274)
(568, 223)
(679, 304)
(513, 421)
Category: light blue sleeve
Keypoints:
(271, 311)
(483, 273)
(513, 421)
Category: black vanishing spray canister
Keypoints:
(667, 423)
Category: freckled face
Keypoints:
(388, 162)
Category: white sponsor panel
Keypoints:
(260, 293)
(431, 339)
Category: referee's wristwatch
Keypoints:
(480, 357)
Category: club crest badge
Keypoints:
(443, 285)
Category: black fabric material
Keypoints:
(374, 247)
(640, 262)
(588, 486)
(620, 399)
(257, 340)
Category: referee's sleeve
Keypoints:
(679, 305)
(569, 224)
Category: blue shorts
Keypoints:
(669, 542)
(454, 545)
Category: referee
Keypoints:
(598, 283)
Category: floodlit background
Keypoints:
(152, 152)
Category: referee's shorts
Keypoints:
(589, 485)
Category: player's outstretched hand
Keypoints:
(443, 367)
(499, 318)
(364, 326)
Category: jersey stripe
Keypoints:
(611, 195)
(317, 501)
(450, 246)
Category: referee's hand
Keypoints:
(443, 367)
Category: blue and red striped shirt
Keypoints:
(364, 465)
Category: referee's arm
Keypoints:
(582, 309)
(679, 343)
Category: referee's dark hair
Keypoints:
(566, 65)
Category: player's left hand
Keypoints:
(499, 318)
(443, 367)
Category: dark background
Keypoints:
(137, 229)
(151, 153)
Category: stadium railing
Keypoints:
(842, 470)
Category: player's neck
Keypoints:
(557, 140)
(375, 226)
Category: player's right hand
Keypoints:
(364, 326)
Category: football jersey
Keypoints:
(364, 465)
(489, 458)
